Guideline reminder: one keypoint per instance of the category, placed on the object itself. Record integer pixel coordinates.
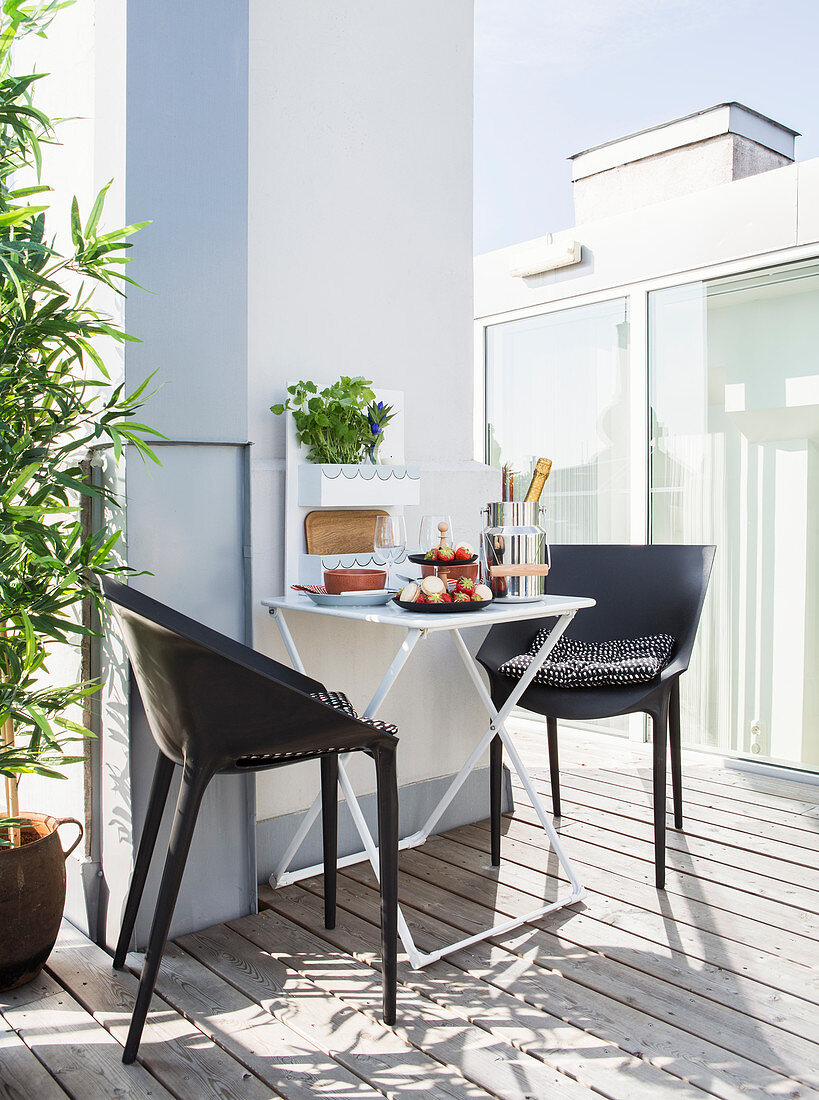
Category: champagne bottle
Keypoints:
(543, 467)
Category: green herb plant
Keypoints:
(332, 423)
(56, 402)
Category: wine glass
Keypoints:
(389, 540)
(429, 534)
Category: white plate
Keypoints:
(519, 599)
(351, 599)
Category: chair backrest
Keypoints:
(198, 683)
(639, 590)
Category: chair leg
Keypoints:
(163, 773)
(676, 751)
(554, 764)
(194, 782)
(388, 875)
(495, 797)
(659, 720)
(329, 823)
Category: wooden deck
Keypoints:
(709, 989)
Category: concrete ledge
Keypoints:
(416, 802)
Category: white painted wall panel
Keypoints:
(360, 240)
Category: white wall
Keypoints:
(360, 240)
(683, 234)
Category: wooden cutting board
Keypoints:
(341, 532)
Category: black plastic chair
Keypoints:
(639, 590)
(214, 705)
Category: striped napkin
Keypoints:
(316, 589)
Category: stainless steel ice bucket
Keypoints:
(515, 549)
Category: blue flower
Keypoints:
(375, 428)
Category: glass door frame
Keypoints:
(637, 296)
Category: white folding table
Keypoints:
(417, 625)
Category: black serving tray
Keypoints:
(420, 559)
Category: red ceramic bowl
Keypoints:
(337, 581)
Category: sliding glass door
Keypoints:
(734, 385)
(731, 368)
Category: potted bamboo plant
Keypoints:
(56, 401)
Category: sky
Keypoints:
(554, 77)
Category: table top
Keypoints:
(390, 615)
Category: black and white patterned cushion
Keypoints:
(575, 664)
(339, 701)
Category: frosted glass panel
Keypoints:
(734, 384)
(557, 385)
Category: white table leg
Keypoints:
(497, 726)
(497, 718)
(281, 876)
(287, 638)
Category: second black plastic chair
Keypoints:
(213, 706)
(640, 590)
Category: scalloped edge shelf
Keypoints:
(312, 566)
(340, 486)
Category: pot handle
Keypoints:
(69, 821)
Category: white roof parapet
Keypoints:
(724, 118)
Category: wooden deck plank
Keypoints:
(703, 904)
(22, 1076)
(776, 977)
(642, 973)
(660, 1021)
(175, 1051)
(696, 798)
(439, 1023)
(711, 861)
(277, 1054)
(582, 794)
(362, 1044)
(786, 835)
(80, 1053)
(562, 1043)
(629, 755)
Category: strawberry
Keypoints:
(461, 597)
(436, 597)
(421, 598)
(476, 598)
(431, 555)
(446, 597)
(465, 585)
(464, 553)
(446, 553)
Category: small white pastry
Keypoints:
(483, 591)
(431, 585)
(409, 593)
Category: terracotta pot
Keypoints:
(337, 581)
(32, 898)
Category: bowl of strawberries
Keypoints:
(449, 556)
(436, 595)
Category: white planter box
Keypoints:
(336, 486)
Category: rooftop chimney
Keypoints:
(723, 143)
